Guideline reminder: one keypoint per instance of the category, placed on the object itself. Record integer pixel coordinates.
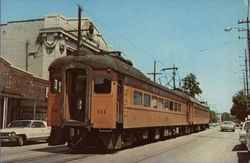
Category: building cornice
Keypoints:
(60, 30)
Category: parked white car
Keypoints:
(20, 131)
(248, 139)
(242, 137)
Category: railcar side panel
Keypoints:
(140, 116)
(54, 99)
(201, 116)
(104, 102)
(54, 110)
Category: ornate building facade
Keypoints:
(27, 49)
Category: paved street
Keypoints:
(207, 146)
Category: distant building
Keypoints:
(27, 49)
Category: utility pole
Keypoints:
(27, 54)
(79, 29)
(248, 45)
(248, 34)
(154, 73)
(247, 90)
(174, 73)
(244, 82)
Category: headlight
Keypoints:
(12, 134)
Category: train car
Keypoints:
(102, 100)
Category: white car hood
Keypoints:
(16, 130)
(243, 132)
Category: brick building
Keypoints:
(27, 49)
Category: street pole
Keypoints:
(247, 90)
(79, 28)
(244, 82)
(174, 73)
(154, 73)
(248, 45)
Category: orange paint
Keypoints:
(54, 110)
(103, 106)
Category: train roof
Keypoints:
(116, 63)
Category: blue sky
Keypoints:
(189, 34)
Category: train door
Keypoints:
(76, 83)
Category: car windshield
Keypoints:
(228, 123)
(247, 126)
(19, 124)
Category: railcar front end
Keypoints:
(82, 103)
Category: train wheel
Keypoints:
(75, 143)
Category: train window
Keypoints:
(171, 105)
(179, 106)
(102, 84)
(161, 103)
(166, 104)
(175, 106)
(137, 98)
(56, 85)
(154, 102)
(147, 100)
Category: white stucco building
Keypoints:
(32, 45)
(27, 49)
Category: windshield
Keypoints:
(229, 123)
(19, 124)
(247, 126)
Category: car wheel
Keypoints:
(20, 141)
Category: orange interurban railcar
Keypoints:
(103, 101)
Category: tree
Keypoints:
(213, 117)
(226, 117)
(191, 86)
(239, 107)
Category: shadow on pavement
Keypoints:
(239, 147)
(243, 154)
(25, 144)
(65, 150)
(243, 157)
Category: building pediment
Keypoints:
(56, 25)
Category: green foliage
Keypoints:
(227, 117)
(213, 117)
(191, 86)
(239, 107)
